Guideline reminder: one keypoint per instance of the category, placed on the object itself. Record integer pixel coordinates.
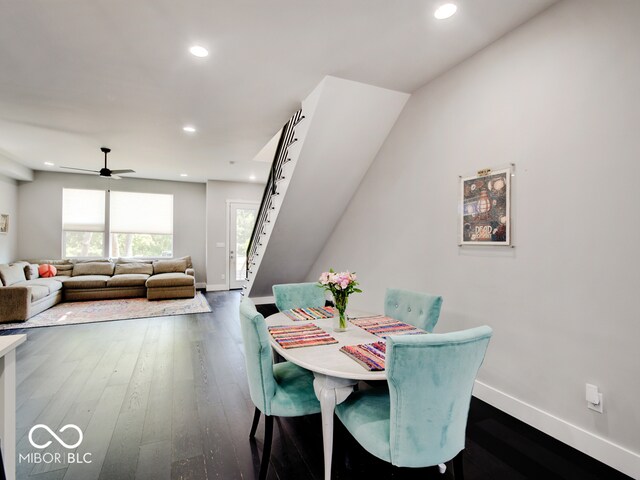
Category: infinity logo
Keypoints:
(60, 441)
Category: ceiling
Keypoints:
(76, 75)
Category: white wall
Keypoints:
(40, 212)
(558, 97)
(9, 205)
(218, 192)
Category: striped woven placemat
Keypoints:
(309, 313)
(370, 355)
(295, 336)
(385, 326)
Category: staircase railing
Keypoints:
(281, 158)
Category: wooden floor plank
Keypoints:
(185, 429)
(122, 456)
(98, 434)
(154, 461)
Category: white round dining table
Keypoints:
(335, 373)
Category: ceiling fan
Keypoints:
(104, 172)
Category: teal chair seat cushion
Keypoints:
(294, 394)
(366, 415)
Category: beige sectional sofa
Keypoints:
(23, 294)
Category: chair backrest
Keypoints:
(257, 355)
(298, 295)
(419, 309)
(430, 380)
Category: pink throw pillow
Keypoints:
(47, 271)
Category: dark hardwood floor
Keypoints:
(167, 397)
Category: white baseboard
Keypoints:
(262, 300)
(589, 443)
(217, 287)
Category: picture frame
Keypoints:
(485, 208)
(4, 223)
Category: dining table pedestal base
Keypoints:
(331, 391)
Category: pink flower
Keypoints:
(324, 278)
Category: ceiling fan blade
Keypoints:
(118, 172)
(81, 169)
(109, 177)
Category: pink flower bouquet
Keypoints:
(341, 285)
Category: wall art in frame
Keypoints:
(485, 213)
(4, 223)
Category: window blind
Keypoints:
(150, 213)
(83, 210)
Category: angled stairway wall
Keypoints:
(345, 124)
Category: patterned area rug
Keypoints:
(70, 313)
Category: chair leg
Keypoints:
(266, 450)
(458, 473)
(254, 426)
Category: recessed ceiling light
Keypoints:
(184, 175)
(445, 11)
(189, 129)
(198, 51)
(252, 177)
(49, 164)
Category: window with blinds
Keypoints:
(83, 223)
(141, 224)
(138, 224)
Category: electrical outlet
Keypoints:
(596, 407)
(594, 398)
(222, 276)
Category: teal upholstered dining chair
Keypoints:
(421, 420)
(418, 309)
(298, 295)
(282, 390)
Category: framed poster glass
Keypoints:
(485, 213)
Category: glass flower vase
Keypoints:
(340, 320)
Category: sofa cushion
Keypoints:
(31, 271)
(87, 281)
(22, 264)
(134, 268)
(92, 268)
(51, 283)
(170, 266)
(64, 269)
(186, 259)
(128, 280)
(133, 260)
(56, 262)
(12, 274)
(170, 280)
(38, 292)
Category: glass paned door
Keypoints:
(242, 216)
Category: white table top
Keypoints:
(10, 342)
(328, 359)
